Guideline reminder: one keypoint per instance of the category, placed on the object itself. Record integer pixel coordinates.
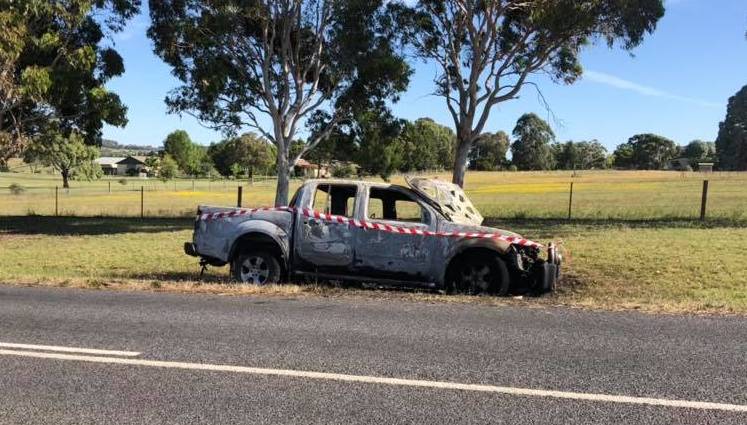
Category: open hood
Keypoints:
(449, 197)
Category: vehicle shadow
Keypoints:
(84, 226)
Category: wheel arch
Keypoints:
(471, 249)
(258, 239)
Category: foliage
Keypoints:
(580, 155)
(343, 171)
(336, 146)
(62, 152)
(426, 145)
(187, 154)
(699, 151)
(489, 152)
(375, 133)
(168, 168)
(731, 144)
(88, 171)
(153, 163)
(16, 189)
(54, 65)
(486, 50)
(286, 60)
(645, 152)
(531, 148)
(242, 155)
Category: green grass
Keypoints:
(672, 266)
(633, 242)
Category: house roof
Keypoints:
(110, 161)
(138, 160)
(302, 163)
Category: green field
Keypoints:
(597, 195)
(633, 242)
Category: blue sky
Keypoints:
(675, 84)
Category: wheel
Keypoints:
(481, 274)
(257, 267)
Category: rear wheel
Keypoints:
(481, 274)
(256, 267)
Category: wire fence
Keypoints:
(609, 195)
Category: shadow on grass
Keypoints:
(79, 226)
(180, 276)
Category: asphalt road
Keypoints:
(353, 346)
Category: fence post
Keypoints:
(110, 187)
(238, 195)
(142, 202)
(570, 202)
(704, 200)
(56, 200)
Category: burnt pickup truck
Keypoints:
(428, 234)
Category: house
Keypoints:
(679, 164)
(705, 167)
(127, 166)
(308, 170)
(132, 166)
(108, 164)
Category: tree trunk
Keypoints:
(281, 193)
(65, 178)
(460, 162)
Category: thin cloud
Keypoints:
(617, 82)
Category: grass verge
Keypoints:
(659, 266)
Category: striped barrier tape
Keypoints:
(363, 224)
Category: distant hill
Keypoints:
(113, 148)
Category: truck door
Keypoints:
(393, 255)
(321, 246)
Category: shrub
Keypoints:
(122, 181)
(16, 189)
(343, 171)
(512, 167)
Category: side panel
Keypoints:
(215, 238)
(320, 246)
(389, 255)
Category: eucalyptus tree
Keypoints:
(269, 65)
(54, 65)
(731, 144)
(486, 50)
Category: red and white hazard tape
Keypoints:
(363, 224)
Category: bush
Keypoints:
(512, 167)
(122, 181)
(343, 171)
(88, 171)
(16, 189)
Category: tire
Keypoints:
(256, 267)
(481, 274)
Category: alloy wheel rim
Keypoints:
(476, 279)
(255, 270)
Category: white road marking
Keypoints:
(388, 381)
(69, 349)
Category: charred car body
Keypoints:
(275, 245)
